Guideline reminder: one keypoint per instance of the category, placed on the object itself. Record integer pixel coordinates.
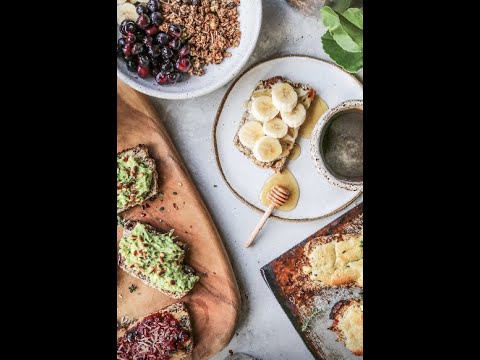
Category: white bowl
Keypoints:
(216, 75)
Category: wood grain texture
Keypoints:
(215, 301)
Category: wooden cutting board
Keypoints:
(214, 302)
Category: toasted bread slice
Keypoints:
(139, 273)
(140, 153)
(347, 316)
(179, 312)
(306, 96)
(336, 260)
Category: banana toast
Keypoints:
(269, 126)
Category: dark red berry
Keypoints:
(154, 51)
(184, 51)
(156, 18)
(163, 38)
(130, 38)
(148, 41)
(137, 48)
(175, 44)
(167, 53)
(141, 9)
(143, 21)
(127, 49)
(152, 30)
(161, 78)
(153, 5)
(173, 77)
(143, 72)
(167, 67)
(175, 31)
(183, 64)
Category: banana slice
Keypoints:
(287, 142)
(262, 92)
(275, 128)
(296, 117)
(250, 133)
(140, 1)
(121, 2)
(126, 11)
(284, 96)
(267, 149)
(263, 109)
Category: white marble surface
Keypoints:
(263, 330)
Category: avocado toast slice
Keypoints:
(155, 258)
(137, 178)
(163, 334)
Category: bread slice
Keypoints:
(306, 96)
(347, 316)
(179, 312)
(336, 260)
(140, 152)
(139, 274)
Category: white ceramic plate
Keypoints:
(250, 17)
(318, 198)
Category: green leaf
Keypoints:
(329, 17)
(351, 62)
(340, 5)
(355, 16)
(344, 40)
(354, 32)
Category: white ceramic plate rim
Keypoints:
(215, 147)
(208, 89)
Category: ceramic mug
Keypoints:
(316, 145)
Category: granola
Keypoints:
(211, 27)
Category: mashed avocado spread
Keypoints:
(134, 181)
(158, 257)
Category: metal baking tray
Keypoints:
(309, 309)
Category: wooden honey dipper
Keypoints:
(278, 195)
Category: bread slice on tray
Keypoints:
(336, 260)
(347, 316)
(137, 178)
(269, 126)
(156, 258)
(166, 334)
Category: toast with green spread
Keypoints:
(156, 258)
(137, 178)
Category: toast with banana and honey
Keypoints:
(269, 127)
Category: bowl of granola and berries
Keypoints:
(180, 49)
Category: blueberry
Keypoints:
(143, 60)
(167, 67)
(121, 42)
(167, 53)
(154, 51)
(141, 9)
(163, 38)
(130, 27)
(175, 44)
(156, 71)
(131, 66)
(173, 77)
(153, 5)
(174, 30)
(123, 26)
(184, 51)
(156, 18)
